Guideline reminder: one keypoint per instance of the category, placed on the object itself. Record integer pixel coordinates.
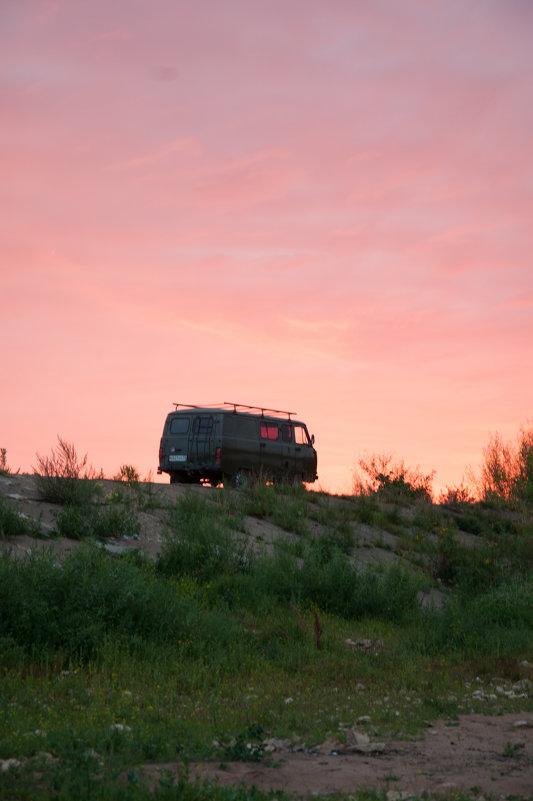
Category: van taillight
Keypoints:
(217, 455)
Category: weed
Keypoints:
(5, 470)
(391, 481)
(14, 524)
(510, 749)
(63, 477)
(79, 523)
(507, 469)
(127, 473)
(247, 746)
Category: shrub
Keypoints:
(200, 542)
(74, 607)
(391, 481)
(495, 622)
(62, 477)
(127, 473)
(507, 468)
(4, 469)
(456, 495)
(80, 522)
(13, 524)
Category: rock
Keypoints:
(446, 790)
(273, 744)
(329, 746)
(359, 743)
(523, 724)
(355, 737)
(7, 764)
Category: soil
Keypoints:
(480, 755)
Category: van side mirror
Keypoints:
(312, 439)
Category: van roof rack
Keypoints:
(236, 407)
(262, 409)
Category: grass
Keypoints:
(111, 662)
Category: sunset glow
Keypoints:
(319, 207)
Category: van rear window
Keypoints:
(203, 426)
(179, 425)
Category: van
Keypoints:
(233, 443)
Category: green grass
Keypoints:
(108, 662)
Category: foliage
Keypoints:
(74, 607)
(391, 480)
(4, 467)
(127, 473)
(200, 541)
(456, 495)
(13, 524)
(247, 746)
(64, 478)
(507, 468)
(81, 522)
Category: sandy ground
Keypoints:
(482, 756)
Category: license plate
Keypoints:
(177, 457)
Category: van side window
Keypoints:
(269, 431)
(300, 435)
(180, 425)
(203, 426)
(286, 433)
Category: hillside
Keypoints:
(274, 636)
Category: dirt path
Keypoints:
(478, 755)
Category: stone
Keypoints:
(7, 764)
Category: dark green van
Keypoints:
(232, 443)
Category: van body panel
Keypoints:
(214, 444)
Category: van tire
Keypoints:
(240, 480)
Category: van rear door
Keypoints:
(202, 440)
(176, 441)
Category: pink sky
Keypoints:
(321, 207)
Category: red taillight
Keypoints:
(217, 455)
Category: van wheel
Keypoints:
(240, 480)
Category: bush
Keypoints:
(127, 473)
(507, 469)
(63, 478)
(80, 522)
(4, 467)
(456, 495)
(13, 524)
(73, 608)
(391, 481)
(495, 622)
(200, 542)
